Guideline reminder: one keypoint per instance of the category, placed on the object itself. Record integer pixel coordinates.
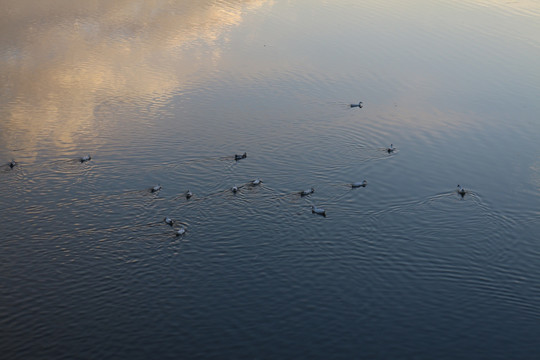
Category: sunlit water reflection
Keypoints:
(166, 93)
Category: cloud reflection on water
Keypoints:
(61, 59)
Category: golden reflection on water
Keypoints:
(60, 59)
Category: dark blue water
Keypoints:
(161, 93)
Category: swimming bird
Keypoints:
(461, 191)
(168, 221)
(391, 149)
(181, 231)
(257, 181)
(307, 192)
(11, 164)
(239, 157)
(318, 210)
(359, 105)
(359, 184)
(155, 188)
(85, 158)
(234, 189)
(189, 194)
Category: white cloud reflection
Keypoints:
(59, 59)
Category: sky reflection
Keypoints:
(422, 64)
(60, 59)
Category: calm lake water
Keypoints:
(167, 92)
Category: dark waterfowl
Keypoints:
(234, 189)
(461, 191)
(12, 164)
(239, 157)
(307, 192)
(168, 221)
(318, 210)
(359, 105)
(85, 158)
(391, 149)
(257, 181)
(189, 194)
(359, 184)
(155, 188)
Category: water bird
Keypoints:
(85, 158)
(307, 192)
(189, 194)
(359, 184)
(168, 221)
(257, 181)
(181, 231)
(239, 157)
(391, 149)
(318, 210)
(12, 164)
(234, 189)
(155, 188)
(359, 105)
(461, 191)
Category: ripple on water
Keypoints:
(405, 264)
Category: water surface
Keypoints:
(161, 92)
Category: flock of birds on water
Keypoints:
(237, 157)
